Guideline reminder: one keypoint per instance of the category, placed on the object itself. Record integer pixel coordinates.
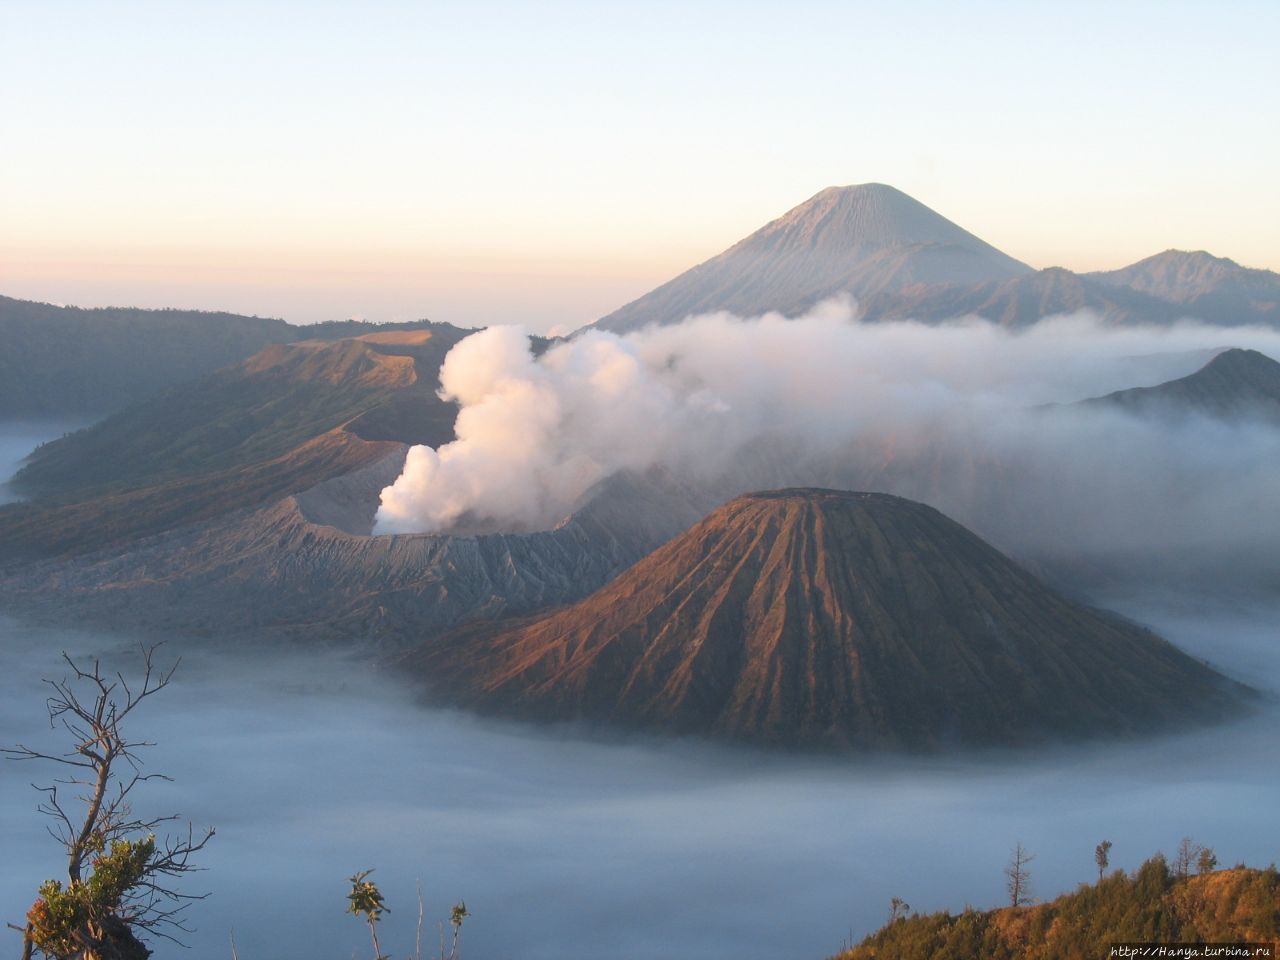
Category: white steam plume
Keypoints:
(846, 400)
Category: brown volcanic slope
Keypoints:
(1234, 384)
(816, 617)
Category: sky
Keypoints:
(488, 162)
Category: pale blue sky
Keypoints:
(547, 161)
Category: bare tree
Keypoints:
(119, 875)
(1018, 876)
(1188, 853)
(1102, 857)
(898, 908)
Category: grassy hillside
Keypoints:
(1154, 904)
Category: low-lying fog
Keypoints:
(18, 439)
(312, 769)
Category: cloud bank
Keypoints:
(949, 414)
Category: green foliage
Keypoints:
(365, 898)
(458, 914)
(62, 916)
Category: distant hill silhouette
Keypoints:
(1234, 384)
(817, 617)
(85, 363)
(66, 361)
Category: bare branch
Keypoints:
(103, 771)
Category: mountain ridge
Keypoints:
(899, 260)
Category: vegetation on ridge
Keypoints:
(1160, 902)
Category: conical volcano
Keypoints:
(860, 240)
(826, 618)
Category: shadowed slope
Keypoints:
(829, 618)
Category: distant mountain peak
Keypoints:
(861, 216)
(1173, 255)
(1240, 358)
(861, 240)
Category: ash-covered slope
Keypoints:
(1236, 384)
(817, 617)
(860, 239)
